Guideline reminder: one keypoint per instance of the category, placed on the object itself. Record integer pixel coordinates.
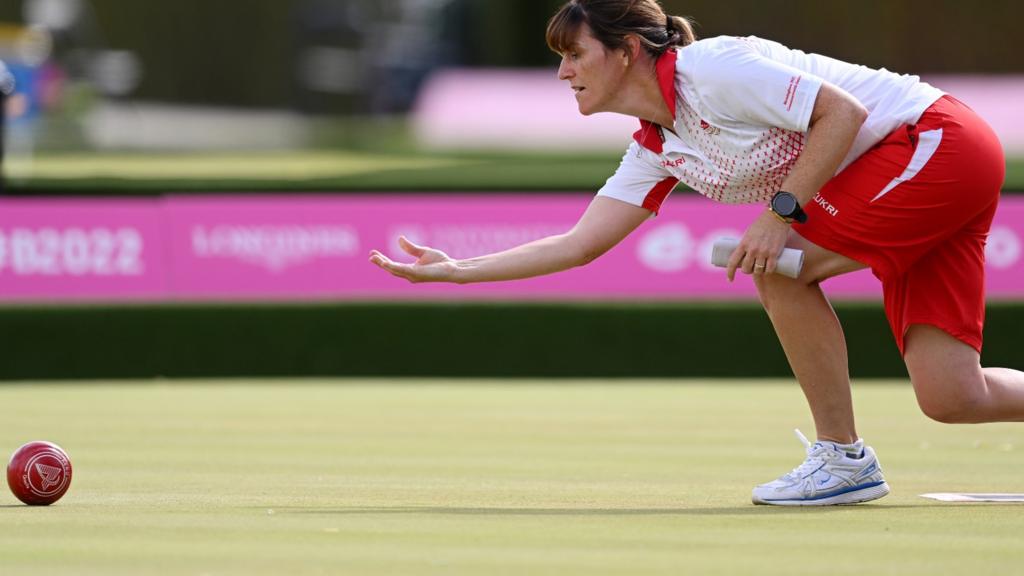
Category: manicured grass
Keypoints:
(105, 174)
(487, 477)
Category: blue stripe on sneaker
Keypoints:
(831, 494)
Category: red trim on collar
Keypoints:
(649, 135)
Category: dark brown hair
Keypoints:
(612, 20)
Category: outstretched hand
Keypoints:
(431, 265)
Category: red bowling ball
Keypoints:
(39, 473)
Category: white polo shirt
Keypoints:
(742, 108)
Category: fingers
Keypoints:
(410, 248)
(395, 268)
(734, 262)
(758, 252)
(750, 263)
(406, 271)
(381, 261)
(760, 266)
(747, 263)
(378, 259)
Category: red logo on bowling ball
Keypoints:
(39, 473)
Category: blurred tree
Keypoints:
(342, 56)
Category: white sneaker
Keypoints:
(828, 476)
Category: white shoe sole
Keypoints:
(854, 497)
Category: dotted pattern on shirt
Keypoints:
(734, 173)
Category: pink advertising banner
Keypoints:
(57, 249)
(315, 247)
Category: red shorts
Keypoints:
(917, 209)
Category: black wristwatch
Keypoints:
(787, 208)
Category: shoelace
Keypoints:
(817, 454)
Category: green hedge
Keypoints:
(436, 340)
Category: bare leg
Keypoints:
(951, 385)
(813, 339)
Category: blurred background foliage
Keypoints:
(275, 53)
(157, 78)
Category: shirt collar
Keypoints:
(649, 135)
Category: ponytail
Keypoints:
(612, 21)
(680, 31)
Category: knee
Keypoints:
(949, 400)
(947, 376)
(774, 288)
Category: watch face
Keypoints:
(784, 205)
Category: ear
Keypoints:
(631, 49)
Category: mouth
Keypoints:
(578, 89)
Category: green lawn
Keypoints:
(341, 170)
(485, 477)
(338, 170)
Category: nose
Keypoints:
(565, 70)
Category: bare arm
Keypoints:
(605, 223)
(835, 122)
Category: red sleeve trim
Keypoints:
(658, 194)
